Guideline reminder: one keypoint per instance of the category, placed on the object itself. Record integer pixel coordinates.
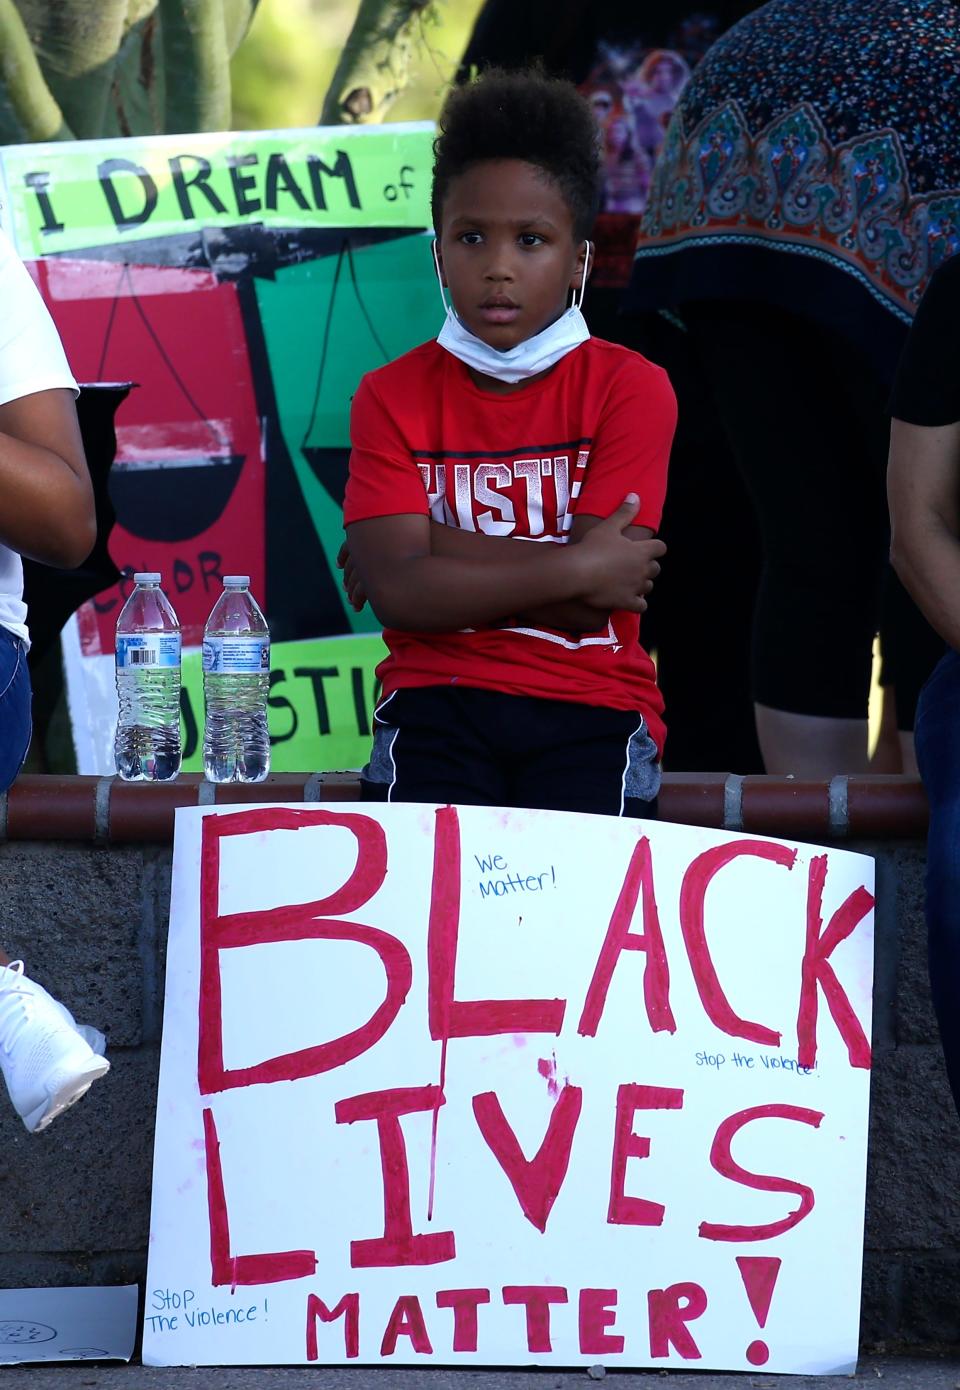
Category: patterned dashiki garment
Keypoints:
(826, 131)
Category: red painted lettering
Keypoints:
(817, 970)
(406, 1320)
(230, 1269)
(297, 922)
(398, 1245)
(723, 1161)
(538, 1180)
(635, 1211)
(536, 1298)
(464, 1303)
(759, 1274)
(455, 1018)
(696, 881)
(656, 975)
(598, 1311)
(348, 1308)
(669, 1311)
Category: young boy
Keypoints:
(515, 675)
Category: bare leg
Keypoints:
(808, 745)
(887, 756)
(4, 958)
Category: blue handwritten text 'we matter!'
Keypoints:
(511, 883)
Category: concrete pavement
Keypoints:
(875, 1373)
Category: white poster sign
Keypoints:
(469, 1086)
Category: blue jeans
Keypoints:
(937, 734)
(15, 723)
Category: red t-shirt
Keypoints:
(427, 440)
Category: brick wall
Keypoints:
(85, 866)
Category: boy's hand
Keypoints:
(617, 572)
(352, 583)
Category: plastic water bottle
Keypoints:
(236, 683)
(147, 745)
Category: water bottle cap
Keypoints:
(147, 577)
(236, 581)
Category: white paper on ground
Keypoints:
(74, 1324)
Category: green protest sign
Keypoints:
(73, 195)
(374, 302)
(320, 711)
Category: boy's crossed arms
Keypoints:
(423, 576)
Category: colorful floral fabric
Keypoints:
(826, 128)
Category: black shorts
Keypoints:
(451, 744)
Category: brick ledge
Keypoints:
(105, 810)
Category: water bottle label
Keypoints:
(235, 655)
(148, 650)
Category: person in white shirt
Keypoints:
(46, 513)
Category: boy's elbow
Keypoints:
(408, 595)
(396, 613)
(397, 603)
(386, 615)
(389, 607)
(416, 616)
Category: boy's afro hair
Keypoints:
(521, 115)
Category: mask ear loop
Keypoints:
(436, 264)
(578, 295)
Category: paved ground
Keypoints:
(876, 1373)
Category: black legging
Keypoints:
(805, 414)
(698, 625)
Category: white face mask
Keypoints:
(528, 358)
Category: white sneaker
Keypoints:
(90, 1035)
(46, 1060)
